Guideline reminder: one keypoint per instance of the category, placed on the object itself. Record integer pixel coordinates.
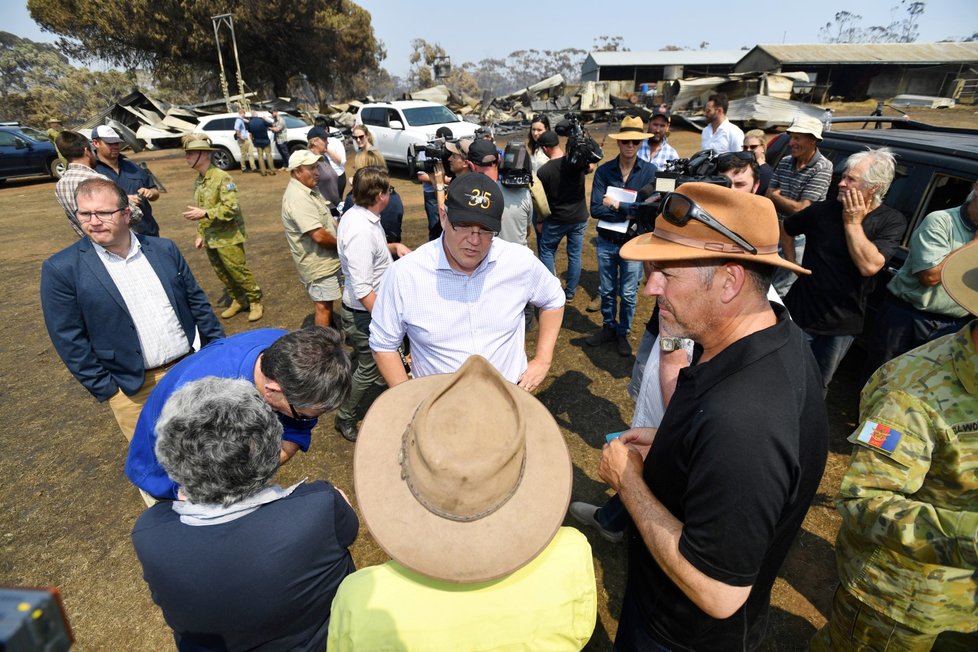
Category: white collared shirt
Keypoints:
(161, 337)
(364, 256)
(450, 315)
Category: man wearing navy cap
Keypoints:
(464, 294)
(132, 178)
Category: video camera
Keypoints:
(516, 170)
(700, 167)
(582, 150)
(434, 151)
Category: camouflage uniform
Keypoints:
(907, 553)
(223, 232)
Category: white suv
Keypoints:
(400, 127)
(220, 129)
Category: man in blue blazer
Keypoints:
(121, 308)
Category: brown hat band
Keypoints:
(624, 129)
(722, 247)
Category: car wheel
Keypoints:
(56, 168)
(295, 147)
(222, 159)
(412, 165)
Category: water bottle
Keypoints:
(827, 120)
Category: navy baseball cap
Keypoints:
(474, 198)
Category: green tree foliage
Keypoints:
(37, 82)
(331, 42)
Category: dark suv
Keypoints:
(26, 152)
(936, 169)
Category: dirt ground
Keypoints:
(68, 509)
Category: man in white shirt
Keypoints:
(365, 256)
(121, 309)
(464, 294)
(720, 134)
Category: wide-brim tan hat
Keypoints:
(632, 128)
(750, 216)
(461, 477)
(960, 277)
(193, 142)
(806, 125)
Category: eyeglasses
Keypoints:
(678, 210)
(482, 234)
(360, 137)
(752, 147)
(300, 417)
(106, 217)
(629, 142)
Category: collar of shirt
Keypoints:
(738, 354)
(491, 256)
(134, 248)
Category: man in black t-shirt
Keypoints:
(726, 481)
(849, 238)
(564, 186)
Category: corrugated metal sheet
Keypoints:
(667, 58)
(891, 53)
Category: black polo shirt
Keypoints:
(737, 459)
(832, 300)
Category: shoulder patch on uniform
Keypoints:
(876, 435)
(230, 185)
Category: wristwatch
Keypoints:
(670, 344)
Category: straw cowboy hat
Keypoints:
(461, 477)
(632, 128)
(960, 277)
(193, 142)
(750, 217)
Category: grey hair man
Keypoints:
(301, 375)
(220, 440)
(851, 238)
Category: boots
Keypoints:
(232, 310)
(256, 311)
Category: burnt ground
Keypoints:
(68, 508)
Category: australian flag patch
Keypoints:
(876, 435)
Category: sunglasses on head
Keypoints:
(678, 210)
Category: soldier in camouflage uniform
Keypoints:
(907, 553)
(221, 229)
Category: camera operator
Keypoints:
(563, 184)
(428, 188)
(618, 278)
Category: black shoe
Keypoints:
(624, 348)
(604, 335)
(346, 428)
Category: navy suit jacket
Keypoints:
(88, 321)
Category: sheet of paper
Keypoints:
(622, 196)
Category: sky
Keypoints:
(557, 24)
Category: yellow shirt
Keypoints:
(549, 604)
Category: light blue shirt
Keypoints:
(450, 315)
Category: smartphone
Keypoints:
(612, 435)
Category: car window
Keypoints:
(292, 122)
(220, 124)
(376, 116)
(7, 139)
(33, 134)
(428, 115)
(393, 115)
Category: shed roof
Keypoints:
(854, 53)
(667, 58)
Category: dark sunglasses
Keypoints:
(678, 210)
(630, 142)
(300, 417)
